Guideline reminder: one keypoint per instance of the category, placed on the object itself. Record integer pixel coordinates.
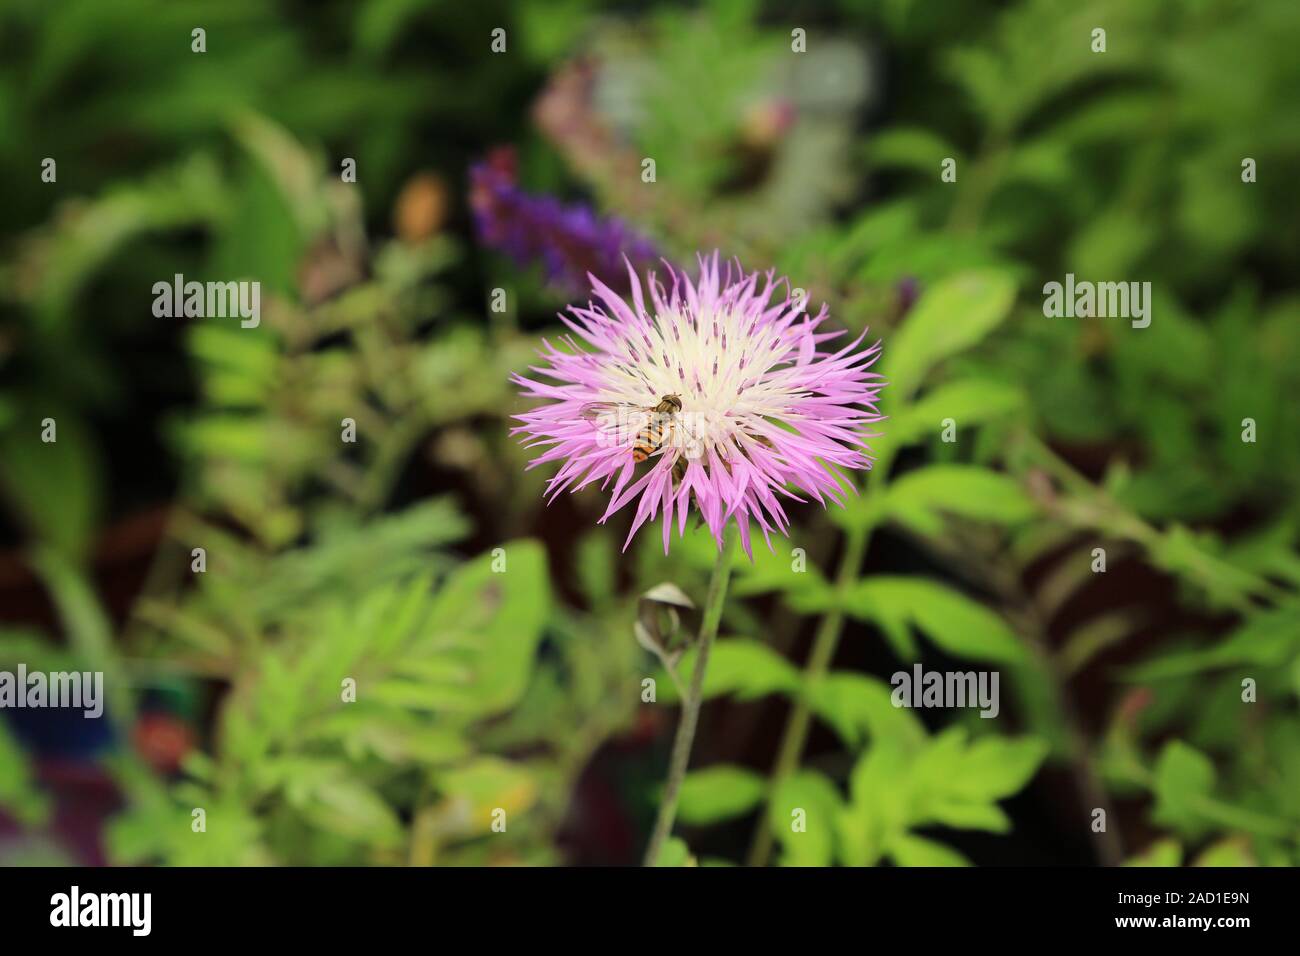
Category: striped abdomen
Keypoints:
(650, 438)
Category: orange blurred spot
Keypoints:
(421, 208)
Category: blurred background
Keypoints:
(1155, 680)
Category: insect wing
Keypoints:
(617, 423)
(594, 411)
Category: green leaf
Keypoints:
(354, 810)
(36, 650)
(947, 780)
(1230, 852)
(908, 849)
(1184, 779)
(675, 853)
(953, 316)
(348, 561)
(332, 798)
(1111, 243)
(85, 622)
(969, 816)
(967, 402)
(931, 258)
(1183, 553)
(858, 707)
(596, 566)
(918, 498)
(911, 148)
(745, 668)
(881, 792)
(803, 813)
(396, 738)
(719, 793)
(52, 485)
(888, 606)
(783, 570)
(1268, 638)
(991, 768)
(1044, 162)
(967, 628)
(18, 793)
(476, 790)
(495, 617)
(956, 623)
(1165, 852)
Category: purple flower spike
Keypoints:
(570, 242)
(719, 385)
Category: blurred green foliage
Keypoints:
(487, 679)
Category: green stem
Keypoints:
(797, 727)
(685, 737)
(88, 629)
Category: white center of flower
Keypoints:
(729, 377)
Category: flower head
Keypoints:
(718, 385)
(570, 241)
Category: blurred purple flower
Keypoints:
(569, 241)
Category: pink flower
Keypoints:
(760, 412)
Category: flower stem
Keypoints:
(685, 736)
(825, 642)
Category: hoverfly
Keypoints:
(653, 434)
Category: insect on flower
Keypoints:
(651, 437)
(716, 389)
